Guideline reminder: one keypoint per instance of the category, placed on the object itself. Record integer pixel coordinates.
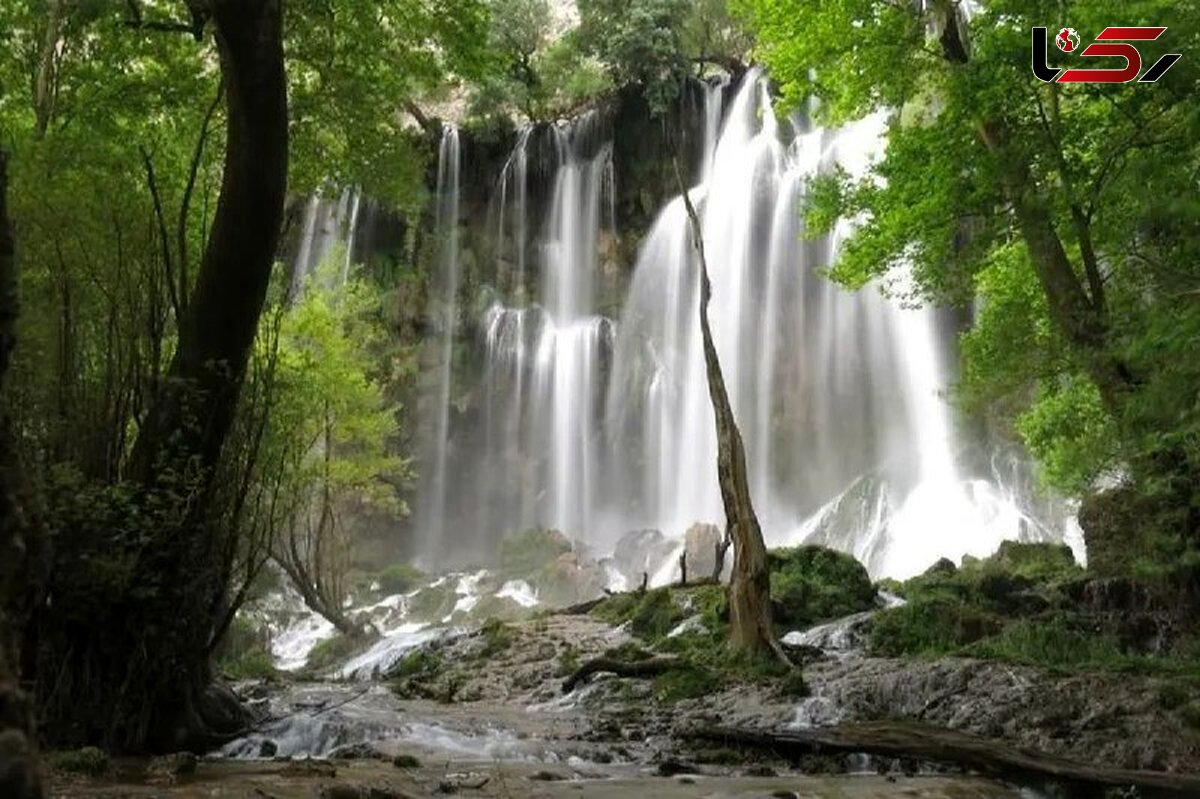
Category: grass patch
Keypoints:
(568, 662)
(689, 682)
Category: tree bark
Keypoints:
(217, 330)
(46, 80)
(20, 772)
(751, 627)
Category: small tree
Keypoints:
(327, 448)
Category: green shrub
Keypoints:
(418, 663)
(527, 553)
(89, 760)
(433, 602)
(497, 637)
(811, 584)
(399, 578)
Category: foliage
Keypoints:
(810, 584)
(988, 175)
(708, 663)
(244, 653)
(543, 70)
(640, 41)
(327, 454)
(539, 75)
(420, 662)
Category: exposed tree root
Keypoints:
(650, 667)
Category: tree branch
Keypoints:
(193, 170)
(162, 231)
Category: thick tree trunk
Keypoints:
(750, 624)
(20, 773)
(124, 663)
(217, 331)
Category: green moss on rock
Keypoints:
(525, 554)
(399, 578)
(811, 584)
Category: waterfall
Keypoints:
(599, 426)
(327, 223)
(444, 320)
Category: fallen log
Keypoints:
(649, 667)
(940, 745)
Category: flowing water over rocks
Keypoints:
(583, 407)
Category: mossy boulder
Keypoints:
(399, 578)
(433, 602)
(811, 584)
(335, 651)
(1035, 561)
(650, 614)
(569, 578)
(525, 554)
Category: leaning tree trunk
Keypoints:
(126, 665)
(20, 774)
(750, 623)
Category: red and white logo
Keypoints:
(1113, 43)
(1067, 40)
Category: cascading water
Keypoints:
(598, 428)
(327, 223)
(446, 225)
